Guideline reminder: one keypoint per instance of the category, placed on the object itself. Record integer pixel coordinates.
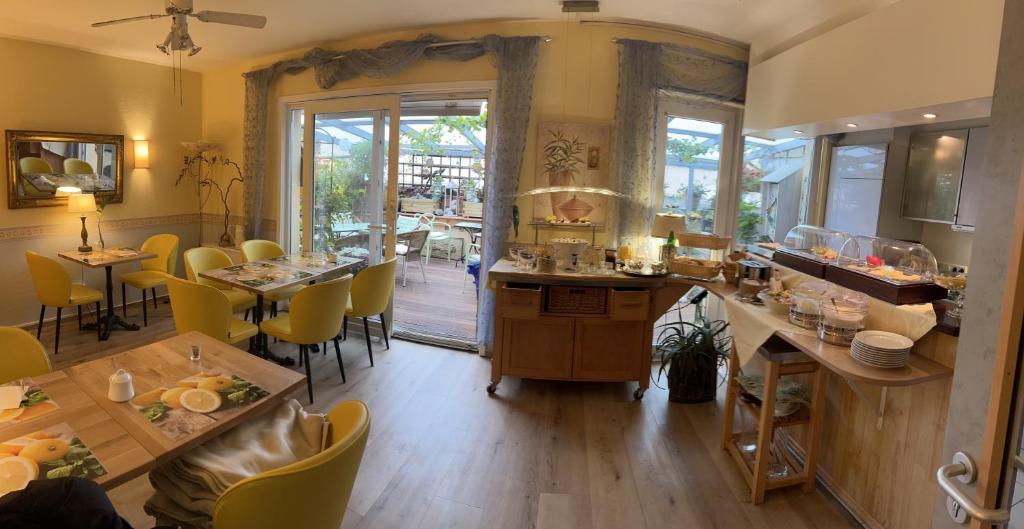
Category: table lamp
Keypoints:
(666, 224)
(82, 204)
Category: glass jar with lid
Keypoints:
(842, 315)
(814, 242)
(805, 309)
(889, 260)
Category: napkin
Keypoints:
(10, 397)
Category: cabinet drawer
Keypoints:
(629, 304)
(520, 301)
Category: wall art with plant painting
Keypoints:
(571, 154)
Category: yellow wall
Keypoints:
(577, 77)
(912, 54)
(59, 89)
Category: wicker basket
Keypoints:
(576, 300)
(685, 267)
(709, 241)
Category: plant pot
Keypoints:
(562, 178)
(691, 382)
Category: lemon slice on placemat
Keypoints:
(10, 415)
(200, 400)
(16, 472)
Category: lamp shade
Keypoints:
(64, 191)
(667, 222)
(141, 154)
(82, 203)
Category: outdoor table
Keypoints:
(474, 229)
(107, 258)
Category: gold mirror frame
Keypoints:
(15, 201)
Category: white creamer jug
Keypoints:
(121, 389)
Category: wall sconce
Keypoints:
(141, 154)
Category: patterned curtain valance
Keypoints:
(332, 67)
(645, 68)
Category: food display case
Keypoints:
(894, 271)
(810, 249)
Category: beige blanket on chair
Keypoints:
(187, 488)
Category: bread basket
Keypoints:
(695, 268)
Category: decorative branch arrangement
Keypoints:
(205, 180)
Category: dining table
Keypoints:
(106, 258)
(274, 275)
(474, 229)
(128, 439)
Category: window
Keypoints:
(773, 188)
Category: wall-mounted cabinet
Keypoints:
(934, 172)
(970, 186)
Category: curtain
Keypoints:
(516, 62)
(645, 70)
(330, 67)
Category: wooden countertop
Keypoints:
(505, 271)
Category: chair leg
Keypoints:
(124, 300)
(430, 244)
(99, 327)
(246, 317)
(324, 348)
(39, 328)
(405, 267)
(344, 326)
(366, 331)
(153, 290)
(337, 352)
(384, 327)
(300, 356)
(423, 271)
(79, 318)
(145, 317)
(304, 351)
(273, 310)
(56, 341)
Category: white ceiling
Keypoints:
(767, 24)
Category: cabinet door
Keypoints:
(934, 171)
(967, 205)
(540, 348)
(608, 350)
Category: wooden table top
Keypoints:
(163, 364)
(100, 258)
(265, 277)
(116, 449)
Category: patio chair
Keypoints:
(443, 234)
(411, 247)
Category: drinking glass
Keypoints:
(195, 352)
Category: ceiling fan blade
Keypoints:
(234, 19)
(129, 19)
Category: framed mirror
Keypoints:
(44, 167)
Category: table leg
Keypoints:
(262, 343)
(111, 320)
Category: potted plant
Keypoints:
(561, 161)
(691, 353)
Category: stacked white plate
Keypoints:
(881, 349)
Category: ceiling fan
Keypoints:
(179, 39)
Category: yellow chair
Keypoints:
(198, 260)
(202, 308)
(314, 316)
(371, 293)
(54, 288)
(21, 355)
(154, 271)
(76, 166)
(34, 165)
(261, 250)
(316, 490)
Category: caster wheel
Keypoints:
(492, 387)
(638, 394)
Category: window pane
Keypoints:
(773, 190)
(692, 151)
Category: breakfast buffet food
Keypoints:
(893, 261)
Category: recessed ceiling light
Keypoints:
(851, 125)
(929, 115)
(796, 131)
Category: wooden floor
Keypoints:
(438, 306)
(442, 454)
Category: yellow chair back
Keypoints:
(201, 259)
(372, 288)
(258, 250)
(32, 164)
(76, 166)
(165, 246)
(51, 280)
(21, 355)
(198, 307)
(318, 488)
(316, 311)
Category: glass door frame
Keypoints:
(729, 161)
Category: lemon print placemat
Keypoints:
(54, 452)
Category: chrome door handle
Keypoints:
(964, 470)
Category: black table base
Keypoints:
(262, 342)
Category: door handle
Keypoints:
(964, 470)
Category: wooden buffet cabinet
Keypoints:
(576, 326)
